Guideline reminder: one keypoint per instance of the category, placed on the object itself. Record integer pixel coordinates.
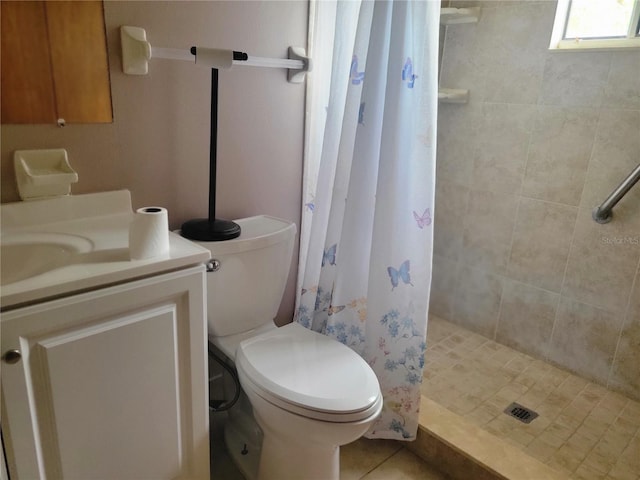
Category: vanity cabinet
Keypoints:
(109, 384)
(54, 62)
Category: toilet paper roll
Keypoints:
(149, 233)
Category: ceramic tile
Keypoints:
(541, 243)
(631, 412)
(498, 71)
(581, 443)
(404, 465)
(565, 460)
(633, 310)
(463, 60)
(541, 450)
(521, 437)
(604, 414)
(599, 462)
(621, 471)
(559, 430)
(526, 317)
(615, 401)
(450, 207)
(630, 455)
(602, 265)
(456, 145)
(478, 300)
(593, 427)
(503, 142)
(584, 472)
(564, 82)
(612, 443)
(623, 86)
(584, 339)
(615, 154)
(573, 385)
(559, 155)
(362, 456)
(622, 424)
(488, 228)
(625, 374)
(515, 70)
(443, 287)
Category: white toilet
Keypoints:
(309, 393)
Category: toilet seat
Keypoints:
(309, 374)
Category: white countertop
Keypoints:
(98, 226)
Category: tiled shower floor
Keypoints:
(584, 430)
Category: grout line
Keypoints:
(375, 467)
(550, 202)
(590, 162)
(547, 354)
(625, 316)
(506, 276)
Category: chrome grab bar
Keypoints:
(602, 214)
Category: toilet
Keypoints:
(309, 394)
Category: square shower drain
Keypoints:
(519, 412)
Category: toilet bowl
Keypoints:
(308, 393)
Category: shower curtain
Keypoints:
(366, 233)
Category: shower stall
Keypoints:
(532, 302)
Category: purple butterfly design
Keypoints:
(355, 76)
(329, 255)
(423, 220)
(407, 73)
(401, 274)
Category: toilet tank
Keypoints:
(246, 291)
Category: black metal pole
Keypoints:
(211, 229)
(213, 145)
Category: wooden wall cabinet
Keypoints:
(54, 62)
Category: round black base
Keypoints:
(205, 230)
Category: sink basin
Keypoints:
(24, 256)
(55, 247)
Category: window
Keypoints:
(596, 24)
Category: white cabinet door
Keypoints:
(110, 384)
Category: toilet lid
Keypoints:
(300, 369)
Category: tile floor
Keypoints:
(361, 460)
(383, 460)
(584, 430)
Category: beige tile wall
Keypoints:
(544, 139)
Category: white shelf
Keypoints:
(453, 95)
(453, 16)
